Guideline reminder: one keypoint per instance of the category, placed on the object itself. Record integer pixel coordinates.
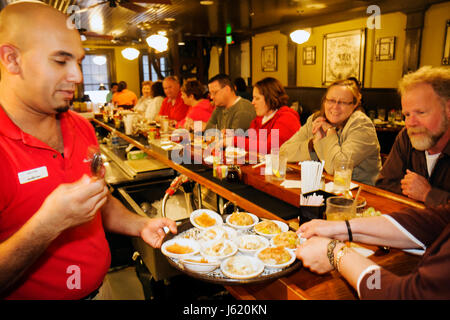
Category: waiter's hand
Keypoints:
(73, 204)
(415, 186)
(153, 232)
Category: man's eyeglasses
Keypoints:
(339, 103)
(213, 93)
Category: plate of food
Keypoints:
(270, 228)
(200, 264)
(233, 154)
(275, 257)
(193, 268)
(289, 240)
(218, 249)
(248, 244)
(204, 219)
(241, 267)
(180, 248)
(241, 220)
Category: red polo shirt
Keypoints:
(176, 111)
(80, 254)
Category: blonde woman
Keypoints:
(339, 126)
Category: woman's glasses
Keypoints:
(339, 103)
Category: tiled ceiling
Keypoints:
(191, 18)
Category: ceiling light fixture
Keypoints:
(130, 53)
(206, 3)
(158, 42)
(301, 36)
(99, 60)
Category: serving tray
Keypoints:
(217, 277)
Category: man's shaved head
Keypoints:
(24, 23)
(39, 56)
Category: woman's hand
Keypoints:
(313, 254)
(320, 127)
(323, 228)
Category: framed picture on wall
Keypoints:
(309, 55)
(385, 49)
(269, 58)
(343, 55)
(446, 54)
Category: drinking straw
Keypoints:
(356, 199)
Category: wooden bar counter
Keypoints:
(301, 284)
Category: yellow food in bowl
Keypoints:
(274, 255)
(241, 219)
(268, 227)
(288, 239)
(179, 249)
(204, 220)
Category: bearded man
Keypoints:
(418, 165)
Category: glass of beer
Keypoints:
(340, 208)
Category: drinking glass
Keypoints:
(343, 169)
(279, 163)
(164, 124)
(340, 208)
(381, 114)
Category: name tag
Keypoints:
(32, 175)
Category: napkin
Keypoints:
(291, 184)
(329, 187)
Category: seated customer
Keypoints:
(123, 97)
(339, 127)
(113, 89)
(418, 165)
(173, 105)
(153, 107)
(231, 112)
(427, 229)
(143, 101)
(269, 100)
(200, 109)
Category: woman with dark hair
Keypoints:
(192, 93)
(124, 98)
(241, 88)
(157, 94)
(272, 115)
(339, 127)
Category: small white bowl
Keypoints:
(229, 233)
(283, 226)
(206, 248)
(253, 266)
(195, 264)
(242, 228)
(210, 213)
(211, 234)
(181, 242)
(277, 266)
(261, 242)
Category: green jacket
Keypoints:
(358, 138)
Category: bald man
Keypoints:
(52, 212)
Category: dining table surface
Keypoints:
(267, 198)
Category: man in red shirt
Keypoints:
(173, 105)
(52, 213)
